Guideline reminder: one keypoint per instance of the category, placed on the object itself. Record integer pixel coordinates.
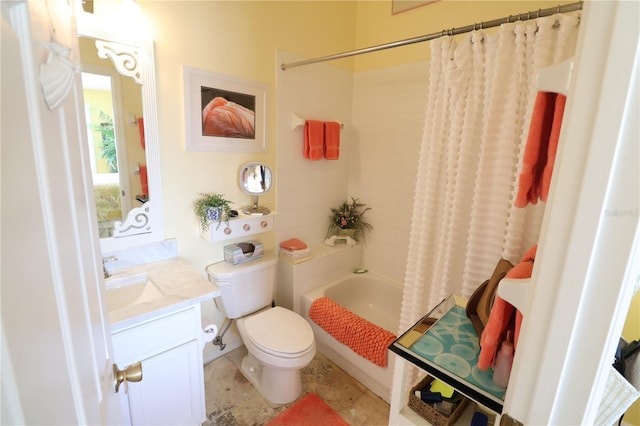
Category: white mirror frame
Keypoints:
(133, 58)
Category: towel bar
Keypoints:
(297, 121)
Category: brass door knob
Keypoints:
(132, 373)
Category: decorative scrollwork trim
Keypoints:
(124, 58)
(137, 222)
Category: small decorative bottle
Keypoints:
(504, 361)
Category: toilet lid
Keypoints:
(279, 331)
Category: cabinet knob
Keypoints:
(132, 373)
(227, 231)
(264, 224)
(246, 227)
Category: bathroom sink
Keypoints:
(130, 290)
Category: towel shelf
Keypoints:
(516, 292)
(297, 121)
(555, 78)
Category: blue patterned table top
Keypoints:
(452, 344)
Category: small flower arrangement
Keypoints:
(212, 208)
(349, 216)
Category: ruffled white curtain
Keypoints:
(481, 96)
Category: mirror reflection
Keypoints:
(106, 43)
(255, 179)
(115, 133)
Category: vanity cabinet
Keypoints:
(171, 391)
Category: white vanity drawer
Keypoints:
(150, 337)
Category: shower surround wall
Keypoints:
(306, 189)
(388, 118)
(383, 115)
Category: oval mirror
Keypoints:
(255, 179)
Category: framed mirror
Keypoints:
(255, 179)
(122, 132)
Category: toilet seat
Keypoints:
(279, 332)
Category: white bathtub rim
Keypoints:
(318, 292)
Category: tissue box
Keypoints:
(243, 252)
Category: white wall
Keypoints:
(307, 189)
(388, 119)
(383, 113)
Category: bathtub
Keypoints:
(373, 298)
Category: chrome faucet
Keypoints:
(104, 267)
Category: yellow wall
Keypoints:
(236, 38)
(240, 38)
(376, 25)
(630, 332)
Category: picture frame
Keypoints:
(399, 6)
(224, 113)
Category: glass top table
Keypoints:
(444, 344)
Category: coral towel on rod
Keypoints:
(141, 130)
(144, 182)
(540, 151)
(331, 140)
(313, 139)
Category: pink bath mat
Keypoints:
(309, 411)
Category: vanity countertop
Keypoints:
(179, 283)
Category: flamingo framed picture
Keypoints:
(399, 6)
(224, 113)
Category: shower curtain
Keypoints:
(481, 96)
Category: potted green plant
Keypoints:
(212, 208)
(348, 219)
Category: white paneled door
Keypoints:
(587, 263)
(56, 347)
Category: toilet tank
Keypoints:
(245, 287)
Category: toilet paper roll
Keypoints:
(209, 333)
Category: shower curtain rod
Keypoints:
(571, 7)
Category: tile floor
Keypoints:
(232, 401)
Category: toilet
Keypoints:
(279, 341)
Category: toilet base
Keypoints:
(277, 386)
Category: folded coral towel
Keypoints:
(313, 139)
(502, 314)
(293, 244)
(331, 140)
(540, 151)
(362, 336)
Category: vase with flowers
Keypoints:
(348, 219)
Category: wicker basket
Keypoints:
(429, 413)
